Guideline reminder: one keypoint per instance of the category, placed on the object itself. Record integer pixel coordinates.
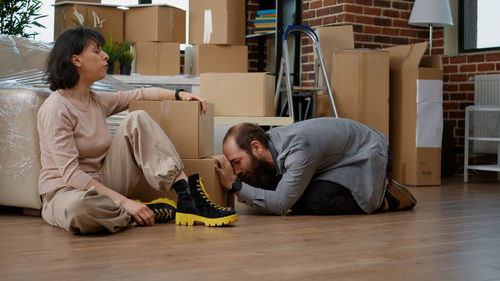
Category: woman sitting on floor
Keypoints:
(85, 174)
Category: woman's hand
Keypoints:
(187, 96)
(141, 213)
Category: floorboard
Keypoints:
(452, 234)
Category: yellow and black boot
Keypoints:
(163, 208)
(194, 205)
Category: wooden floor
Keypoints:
(453, 234)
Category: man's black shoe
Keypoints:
(194, 205)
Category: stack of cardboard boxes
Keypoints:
(157, 31)
(220, 56)
(192, 134)
(362, 81)
(217, 33)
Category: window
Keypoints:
(479, 23)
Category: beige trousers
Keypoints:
(139, 147)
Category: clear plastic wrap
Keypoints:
(22, 91)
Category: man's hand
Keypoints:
(141, 213)
(225, 171)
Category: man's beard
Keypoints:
(263, 174)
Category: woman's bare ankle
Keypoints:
(181, 176)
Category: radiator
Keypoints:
(486, 92)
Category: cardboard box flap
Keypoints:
(432, 62)
(406, 56)
(83, 3)
(332, 38)
(151, 5)
(335, 37)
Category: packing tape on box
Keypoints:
(363, 98)
(165, 110)
(207, 26)
(429, 113)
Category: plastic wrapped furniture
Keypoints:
(22, 91)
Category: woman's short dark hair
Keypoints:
(245, 133)
(60, 72)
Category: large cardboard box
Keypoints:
(203, 167)
(332, 38)
(191, 131)
(219, 58)
(416, 85)
(239, 94)
(158, 58)
(360, 80)
(217, 22)
(155, 23)
(106, 18)
(92, 1)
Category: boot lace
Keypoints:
(162, 214)
(204, 194)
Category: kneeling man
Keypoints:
(324, 166)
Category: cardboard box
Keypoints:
(191, 131)
(416, 125)
(155, 23)
(203, 167)
(158, 58)
(332, 38)
(92, 1)
(106, 18)
(323, 107)
(217, 22)
(219, 58)
(239, 94)
(360, 80)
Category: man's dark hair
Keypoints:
(245, 133)
(60, 72)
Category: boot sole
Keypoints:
(190, 219)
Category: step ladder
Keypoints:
(301, 92)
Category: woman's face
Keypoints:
(92, 63)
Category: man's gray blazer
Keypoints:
(333, 149)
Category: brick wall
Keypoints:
(252, 8)
(458, 90)
(384, 23)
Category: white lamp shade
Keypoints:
(431, 12)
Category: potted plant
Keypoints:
(19, 17)
(126, 62)
(114, 50)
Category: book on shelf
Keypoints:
(264, 25)
(266, 12)
(263, 29)
(271, 19)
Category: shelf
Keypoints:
(484, 139)
(495, 168)
(480, 109)
(257, 35)
(262, 121)
(158, 79)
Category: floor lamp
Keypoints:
(431, 13)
